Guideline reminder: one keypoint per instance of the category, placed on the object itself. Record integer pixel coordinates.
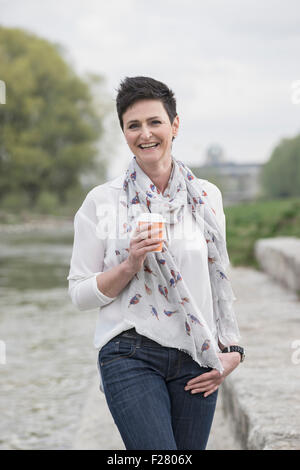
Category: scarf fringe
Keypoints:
(142, 331)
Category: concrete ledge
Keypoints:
(261, 397)
(256, 427)
(280, 258)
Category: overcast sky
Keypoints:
(231, 63)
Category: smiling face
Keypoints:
(148, 131)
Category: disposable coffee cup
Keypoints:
(153, 221)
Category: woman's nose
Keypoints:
(146, 132)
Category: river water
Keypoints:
(48, 360)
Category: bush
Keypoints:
(47, 203)
(15, 202)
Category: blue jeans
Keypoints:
(144, 384)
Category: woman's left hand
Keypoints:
(209, 382)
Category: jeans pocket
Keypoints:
(116, 350)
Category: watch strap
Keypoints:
(234, 348)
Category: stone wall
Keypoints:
(280, 258)
(261, 399)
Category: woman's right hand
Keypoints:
(140, 245)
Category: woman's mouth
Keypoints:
(149, 147)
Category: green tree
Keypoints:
(280, 176)
(50, 127)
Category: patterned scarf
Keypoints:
(157, 301)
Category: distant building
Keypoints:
(237, 181)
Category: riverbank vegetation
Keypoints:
(248, 222)
(51, 129)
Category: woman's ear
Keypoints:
(175, 126)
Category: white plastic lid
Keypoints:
(150, 217)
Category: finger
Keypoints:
(157, 232)
(153, 242)
(204, 377)
(202, 385)
(147, 248)
(206, 392)
(141, 228)
(145, 234)
(199, 383)
(149, 242)
(213, 381)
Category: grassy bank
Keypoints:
(248, 222)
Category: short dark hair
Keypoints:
(133, 89)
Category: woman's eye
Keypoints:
(153, 122)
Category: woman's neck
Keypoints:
(159, 176)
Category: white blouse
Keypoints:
(90, 257)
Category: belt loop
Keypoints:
(139, 339)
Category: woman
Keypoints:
(165, 317)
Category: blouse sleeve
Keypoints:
(87, 260)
